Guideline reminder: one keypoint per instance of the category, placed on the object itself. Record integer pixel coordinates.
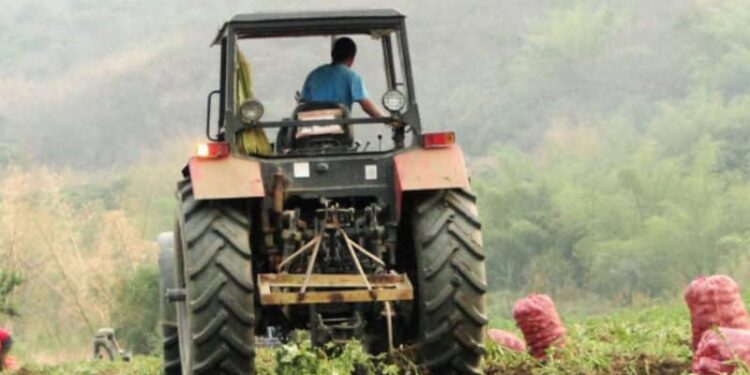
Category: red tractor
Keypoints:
(316, 232)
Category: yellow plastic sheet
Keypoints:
(249, 141)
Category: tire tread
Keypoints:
(218, 261)
(451, 282)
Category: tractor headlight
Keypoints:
(251, 111)
(394, 101)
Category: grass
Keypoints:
(652, 340)
(139, 366)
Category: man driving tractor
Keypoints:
(337, 82)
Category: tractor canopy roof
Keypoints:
(286, 24)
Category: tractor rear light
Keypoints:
(212, 150)
(437, 140)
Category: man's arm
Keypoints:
(371, 108)
(359, 95)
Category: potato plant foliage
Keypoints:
(647, 340)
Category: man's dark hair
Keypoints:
(343, 49)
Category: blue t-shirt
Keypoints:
(334, 83)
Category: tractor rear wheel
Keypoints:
(217, 270)
(167, 271)
(451, 282)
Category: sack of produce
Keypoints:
(10, 363)
(537, 318)
(715, 301)
(506, 340)
(720, 351)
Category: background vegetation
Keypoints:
(637, 178)
(609, 143)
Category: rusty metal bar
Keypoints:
(293, 280)
(278, 192)
(356, 260)
(299, 252)
(311, 264)
(347, 296)
(389, 324)
(343, 288)
(362, 249)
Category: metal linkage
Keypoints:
(316, 240)
(311, 264)
(356, 260)
(342, 287)
(389, 324)
(361, 249)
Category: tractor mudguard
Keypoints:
(431, 169)
(225, 178)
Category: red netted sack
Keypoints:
(506, 340)
(715, 301)
(10, 363)
(537, 318)
(719, 351)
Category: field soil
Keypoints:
(635, 341)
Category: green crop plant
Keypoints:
(8, 283)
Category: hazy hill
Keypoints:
(91, 83)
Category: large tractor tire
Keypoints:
(168, 281)
(172, 365)
(451, 282)
(218, 277)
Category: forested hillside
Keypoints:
(609, 143)
(94, 83)
(636, 177)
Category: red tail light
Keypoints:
(212, 150)
(436, 140)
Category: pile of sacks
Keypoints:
(542, 329)
(720, 324)
(715, 301)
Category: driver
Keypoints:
(337, 82)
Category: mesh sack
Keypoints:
(537, 318)
(714, 301)
(720, 350)
(506, 340)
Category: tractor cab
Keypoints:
(259, 52)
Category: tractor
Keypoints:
(316, 232)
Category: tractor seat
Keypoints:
(317, 137)
(317, 130)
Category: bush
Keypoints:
(136, 313)
(8, 282)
